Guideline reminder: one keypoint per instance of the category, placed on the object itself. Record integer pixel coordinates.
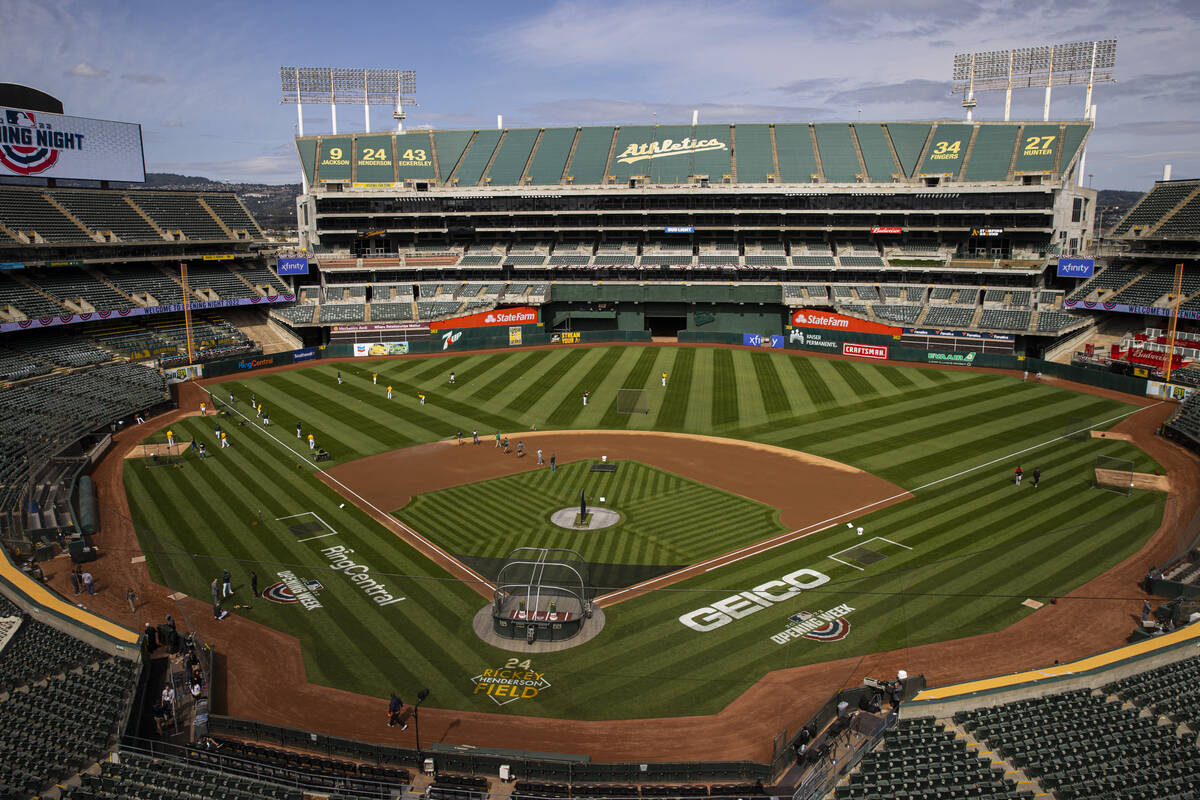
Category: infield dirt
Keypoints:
(274, 689)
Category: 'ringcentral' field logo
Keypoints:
(292, 589)
(668, 147)
(516, 680)
(28, 147)
(818, 626)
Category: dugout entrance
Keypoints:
(542, 594)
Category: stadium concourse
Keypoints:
(274, 690)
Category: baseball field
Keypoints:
(812, 509)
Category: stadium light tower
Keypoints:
(1034, 67)
(333, 85)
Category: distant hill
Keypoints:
(273, 205)
(1115, 204)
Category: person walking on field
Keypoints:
(1037, 477)
(131, 598)
(460, 438)
(203, 409)
(1017, 473)
(540, 461)
(389, 393)
(520, 449)
(298, 435)
(395, 705)
(497, 438)
(664, 379)
(226, 584)
(452, 377)
(224, 440)
(312, 441)
(89, 582)
(475, 435)
(339, 377)
(421, 397)
(552, 463)
(375, 378)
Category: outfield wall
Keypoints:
(859, 345)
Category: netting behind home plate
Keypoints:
(541, 593)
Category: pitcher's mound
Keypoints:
(597, 518)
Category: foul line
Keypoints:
(808, 530)
(391, 521)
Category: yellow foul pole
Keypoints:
(187, 310)
(1174, 319)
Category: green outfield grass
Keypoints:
(666, 521)
(979, 544)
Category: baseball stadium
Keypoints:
(826, 460)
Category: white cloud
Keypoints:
(85, 70)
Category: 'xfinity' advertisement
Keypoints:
(1076, 267)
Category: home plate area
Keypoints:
(861, 556)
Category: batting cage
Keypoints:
(633, 401)
(1113, 474)
(542, 594)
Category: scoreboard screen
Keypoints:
(36, 144)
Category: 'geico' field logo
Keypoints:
(28, 147)
(743, 604)
(819, 626)
(292, 589)
(668, 147)
(516, 680)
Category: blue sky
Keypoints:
(203, 78)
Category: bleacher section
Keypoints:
(136, 283)
(76, 285)
(1155, 205)
(107, 212)
(1082, 745)
(65, 700)
(27, 211)
(26, 301)
(1111, 279)
(230, 211)
(1000, 319)
(921, 759)
(1168, 691)
(179, 212)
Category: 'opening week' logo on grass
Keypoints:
(516, 680)
(292, 589)
(819, 626)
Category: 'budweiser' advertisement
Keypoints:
(525, 315)
(885, 229)
(865, 350)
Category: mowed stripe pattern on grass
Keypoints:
(980, 544)
(666, 519)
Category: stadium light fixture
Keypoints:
(333, 85)
(1072, 63)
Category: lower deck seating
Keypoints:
(1082, 745)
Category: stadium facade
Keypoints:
(699, 230)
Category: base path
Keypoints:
(261, 671)
(810, 492)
